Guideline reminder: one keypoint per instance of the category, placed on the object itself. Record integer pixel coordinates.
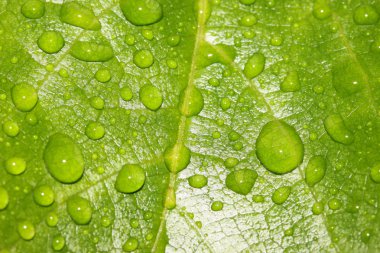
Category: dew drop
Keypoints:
(225, 103)
(348, 78)
(173, 40)
(103, 75)
(214, 82)
(365, 235)
(276, 41)
(143, 58)
(375, 173)
(321, 9)
(24, 97)
(258, 198)
(202, 10)
(130, 39)
(63, 158)
(31, 119)
(147, 34)
(191, 102)
(241, 181)
(97, 103)
(281, 194)
(91, 52)
(170, 201)
(334, 204)
(248, 20)
(141, 12)
(247, 2)
(254, 66)
(365, 15)
(105, 221)
(197, 181)
(33, 9)
(291, 82)
(11, 128)
(177, 157)
(217, 206)
(51, 219)
(79, 209)
(4, 198)
(26, 230)
(75, 14)
(95, 130)
(58, 243)
(134, 223)
(219, 53)
(51, 42)
(289, 232)
(279, 147)
(15, 165)
(126, 93)
(43, 195)
(315, 170)
(231, 162)
(151, 97)
(130, 179)
(337, 129)
(317, 208)
(131, 244)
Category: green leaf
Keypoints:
(283, 96)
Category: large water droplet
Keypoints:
(197, 181)
(315, 170)
(131, 178)
(4, 198)
(91, 52)
(141, 12)
(63, 158)
(33, 9)
(26, 230)
(131, 244)
(281, 194)
(348, 78)
(15, 165)
(11, 128)
(143, 58)
(97, 103)
(58, 242)
(75, 14)
(191, 102)
(177, 157)
(337, 130)
(51, 42)
(375, 173)
(220, 53)
(126, 93)
(79, 209)
(151, 97)
(241, 181)
(321, 9)
(43, 195)
(365, 15)
(279, 147)
(291, 82)
(254, 66)
(24, 97)
(95, 130)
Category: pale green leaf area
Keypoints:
(281, 97)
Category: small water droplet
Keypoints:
(315, 170)
(24, 97)
(170, 201)
(258, 198)
(254, 66)
(131, 244)
(321, 9)
(365, 15)
(217, 206)
(143, 58)
(365, 235)
(95, 130)
(130, 179)
(219, 53)
(51, 42)
(375, 173)
(173, 40)
(247, 2)
(276, 41)
(75, 14)
(319, 89)
(26, 230)
(241, 181)
(130, 39)
(225, 103)
(317, 208)
(15, 165)
(281, 194)
(191, 102)
(334, 204)
(151, 97)
(44, 195)
(103, 75)
(105, 221)
(91, 51)
(141, 12)
(231, 162)
(214, 82)
(126, 93)
(197, 181)
(51, 219)
(289, 232)
(97, 103)
(348, 78)
(79, 209)
(291, 82)
(337, 129)
(4, 198)
(172, 64)
(33, 9)
(147, 34)
(58, 243)
(177, 157)
(248, 20)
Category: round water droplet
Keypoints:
(75, 14)
(291, 82)
(63, 159)
(276, 41)
(147, 34)
(375, 173)
(334, 204)
(217, 206)
(33, 9)
(103, 75)
(233, 136)
(220, 53)
(43, 195)
(131, 244)
(26, 230)
(173, 40)
(281, 195)
(134, 223)
(126, 93)
(97, 103)
(141, 12)
(191, 102)
(131, 178)
(58, 243)
(4, 198)
(337, 130)
(24, 97)
(11, 128)
(348, 78)
(248, 20)
(95, 131)
(51, 219)
(289, 232)
(365, 235)
(279, 147)
(214, 82)
(315, 170)
(247, 2)
(225, 103)
(130, 39)
(321, 9)
(51, 42)
(197, 181)
(15, 165)
(258, 198)
(177, 157)
(365, 15)
(143, 58)
(91, 52)
(317, 208)
(105, 221)
(254, 66)
(170, 201)
(241, 181)
(148, 215)
(79, 209)
(231, 162)
(172, 64)
(31, 119)
(151, 97)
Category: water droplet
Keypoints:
(317, 208)
(31, 119)
(51, 42)
(202, 11)
(276, 41)
(348, 78)
(225, 103)
(337, 130)
(130, 179)
(4, 198)
(291, 82)
(24, 97)
(63, 73)
(91, 52)
(247, 2)
(148, 215)
(103, 75)
(95, 130)
(172, 64)
(198, 224)
(134, 223)
(26, 230)
(197, 181)
(279, 147)
(43, 195)
(147, 34)
(319, 89)
(151, 97)
(365, 235)
(79, 209)
(58, 243)
(231, 162)
(241, 181)
(75, 14)
(191, 102)
(97, 103)
(126, 93)
(334, 204)
(15, 165)
(365, 15)
(130, 39)
(220, 53)
(177, 157)
(170, 201)
(315, 170)
(254, 66)
(289, 232)
(321, 9)
(258, 198)
(141, 12)
(51, 219)
(105, 221)
(216, 135)
(173, 40)
(375, 173)
(149, 236)
(33, 9)
(217, 206)
(143, 58)
(63, 158)
(248, 20)
(281, 194)
(233, 136)
(131, 244)
(214, 82)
